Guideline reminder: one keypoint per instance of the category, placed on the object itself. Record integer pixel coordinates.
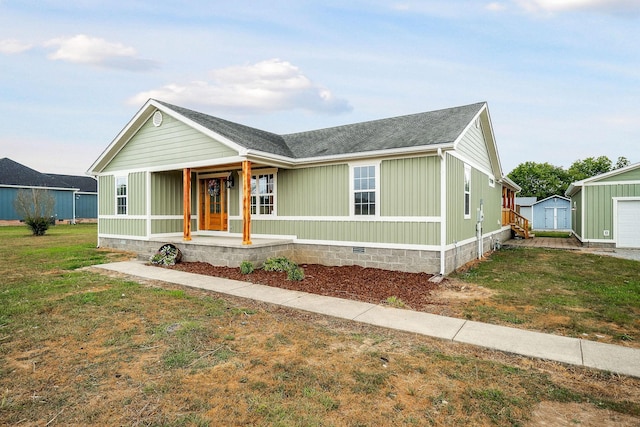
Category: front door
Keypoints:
(213, 204)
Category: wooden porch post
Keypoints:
(246, 202)
(186, 204)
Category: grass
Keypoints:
(565, 292)
(82, 348)
(554, 234)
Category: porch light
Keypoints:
(230, 181)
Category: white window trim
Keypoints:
(352, 207)
(467, 173)
(126, 196)
(254, 174)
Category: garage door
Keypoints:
(628, 219)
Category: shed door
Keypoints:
(550, 218)
(563, 219)
(627, 221)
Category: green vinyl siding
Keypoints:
(106, 195)
(598, 200)
(412, 233)
(137, 191)
(166, 193)
(234, 195)
(163, 226)
(316, 191)
(170, 143)
(576, 214)
(122, 226)
(458, 228)
(472, 145)
(410, 187)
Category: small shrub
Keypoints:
(38, 225)
(394, 301)
(278, 264)
(295, 273)
(246, 267)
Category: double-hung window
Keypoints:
(364, 190)
(263, 194)
(121, 195)
(467, 191)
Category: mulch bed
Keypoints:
(370, 285)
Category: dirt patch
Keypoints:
(572, 414)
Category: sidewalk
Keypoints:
(574, 351)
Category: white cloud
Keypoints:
(82, 49)
(495, 6)
(12, 46)
(269, 85)
(570, 5)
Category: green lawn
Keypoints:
(81, 348)
(569, 292)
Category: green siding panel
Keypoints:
(122, 227)
(473, 146)
(410, 187)
(171, 143)
(163, 226)
(459, 228)
(598, 200)
(316, 191)
(106, 195)
(414, 233)
(137, 191)
(166, 193)
(576, 214)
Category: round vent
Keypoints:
(157, 118)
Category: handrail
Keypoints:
(511, 217)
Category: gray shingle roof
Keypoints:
(85, 184)
(14, 173)
(423, 129)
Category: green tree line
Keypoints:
(543, 180)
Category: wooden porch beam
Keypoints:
(186, 204)
(246, 202)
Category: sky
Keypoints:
(561, 77)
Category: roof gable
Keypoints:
(415, 132)
(627, 173)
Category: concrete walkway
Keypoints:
(574, 351)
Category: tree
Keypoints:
(36, 208)
(622, 162)
(540, 180)
(591, 166)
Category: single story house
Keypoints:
(552, 213)
(605, 208)
(76, 197)
(524, 206)
(422, 192)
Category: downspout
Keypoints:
(443, 211)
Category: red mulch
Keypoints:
(351, 282)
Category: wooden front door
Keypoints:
(213, 204)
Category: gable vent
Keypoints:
(157, 118)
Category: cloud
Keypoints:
(82, 49)
(270, 85)
(12, 46)
(550, 6)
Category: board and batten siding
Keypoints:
(412, 233)
(170, 143)
(106, 195)
(410, 187)
(459, 228)
(122, 227)
(599, 201)
(315, 191)
(473, 146)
